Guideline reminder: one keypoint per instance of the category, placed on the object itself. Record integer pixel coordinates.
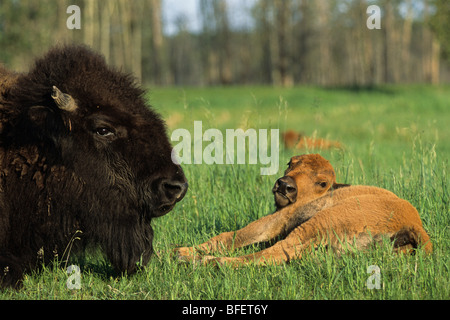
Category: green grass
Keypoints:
(397, 138)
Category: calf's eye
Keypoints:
(323, 184)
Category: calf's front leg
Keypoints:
(261, 230)
(281, 252)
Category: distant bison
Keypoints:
(296, 140)
(79, 151)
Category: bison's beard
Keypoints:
(127, 247)
(125, 237)
(120, 224)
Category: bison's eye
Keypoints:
(104, 132)
(323, 184)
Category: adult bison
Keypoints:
(79, 151)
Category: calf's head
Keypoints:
(307, 177)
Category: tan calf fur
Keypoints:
(314, 210)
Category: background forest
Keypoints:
(279, 42)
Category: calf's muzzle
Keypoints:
(285, 191)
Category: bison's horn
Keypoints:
(63, 100)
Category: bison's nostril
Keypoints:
(285, 185)
(174, 190)
(290, 189)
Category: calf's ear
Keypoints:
(340, 185)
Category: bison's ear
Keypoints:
(44, 120)
(63, 100)
(43, 125)
(38, 115)
(340, 185)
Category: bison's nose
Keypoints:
(169, 191)
(285, 192)
(174, 190)
(286, 186)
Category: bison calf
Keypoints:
(313, 210)
(79, 151)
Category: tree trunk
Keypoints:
(324, 59)
(90, 22)
(136, 34)
(105, 39)
(157, 42)
(280, 46)
(388, 43)
(406, 43)
(435, 60)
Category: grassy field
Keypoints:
(397, 138)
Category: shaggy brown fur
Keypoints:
(314, 210)
(79, 151)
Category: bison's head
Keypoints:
(307, 178)
(93, 121)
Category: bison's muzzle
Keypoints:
(285, 191)
(169, 191)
